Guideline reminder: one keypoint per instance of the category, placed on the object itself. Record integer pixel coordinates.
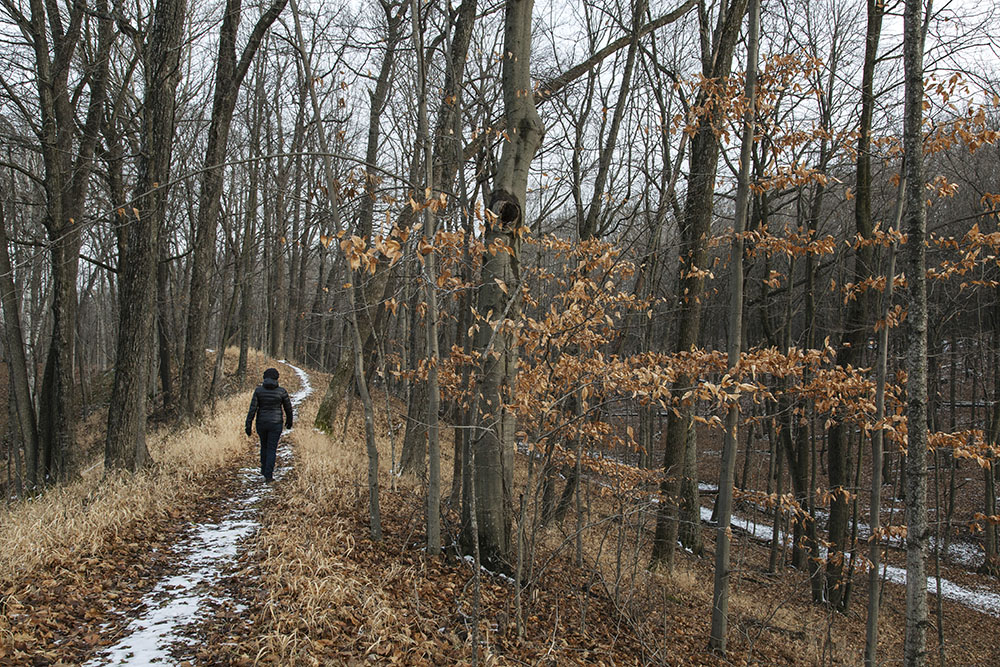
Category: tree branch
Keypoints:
(550, 88)
(259, 30)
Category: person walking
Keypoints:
(268, 402)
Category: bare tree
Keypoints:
(125, 446)
(67, 141)
(724, 506)
(229, 75)
(498, 294)
(915, 222)
(23, 404)
(716, 60)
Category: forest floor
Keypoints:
(198, 562)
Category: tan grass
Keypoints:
(316, 589)
(82, 517)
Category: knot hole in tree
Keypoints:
(506, 209)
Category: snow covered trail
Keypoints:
(181, 599)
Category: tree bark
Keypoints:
(430, 294)
(915, 220)
(689, 512)
(68, 164)
(163, 329)
(858, 315)
(125, 446)
(357, 344)
(724, 506)
(875, 501)
(22, 402)
(249, 229)
(695, 228)
(375, 288)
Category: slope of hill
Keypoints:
(198, 562)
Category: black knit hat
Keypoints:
(271, 373)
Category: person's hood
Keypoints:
(270, 383)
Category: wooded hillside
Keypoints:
(649, 271)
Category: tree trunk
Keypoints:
(689, 530)
(249, 230)
(229, 75)
(493, 438)
(54, 33)
(875, 501)
(125, 447)
(695, 228)
(353, 277)
(858, 314)
(588, 226)
(17, 365)
(430, 295)
(162, 329)
(916, 336)
(720, 596)
(445, 158)
(372, 295)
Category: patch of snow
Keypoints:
(980, 599)
(482, 568)
(306, 389)
(967, 554)
(176, 600)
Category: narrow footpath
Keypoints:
(188, 593)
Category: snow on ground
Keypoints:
(177, 601)
(307, 389)
(979, 598)
(967, 554)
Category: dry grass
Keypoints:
(82, 517)
(312, 579)
(318, 591)
(330, 595)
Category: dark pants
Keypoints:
(269, 434)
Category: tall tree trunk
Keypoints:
(914, 648)
(229, 75)
(724, 507)
(695, 228)
(587, 226)
(497, 298)
(430, 294)
(163, 328)
(413, 458)
(17, 364)
(54, 33)
(375, 520)
(858, 314)
(340, 379)
(875, 500)
(689, 512)
(297, 260)
(125, 447)
(250, 225)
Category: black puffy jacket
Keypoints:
(267, 403)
